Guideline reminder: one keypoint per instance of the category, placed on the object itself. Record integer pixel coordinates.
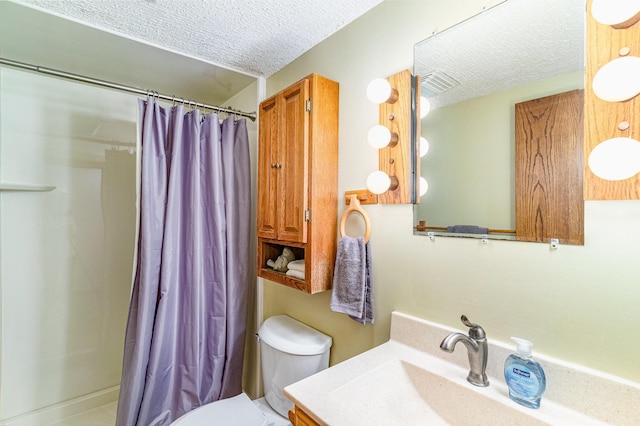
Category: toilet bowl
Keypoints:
(290, 351)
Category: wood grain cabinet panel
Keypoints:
(549, 169)
(292, 163)
(298, 180)
(268, 174)
(298, 417)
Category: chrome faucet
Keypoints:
(476, 344)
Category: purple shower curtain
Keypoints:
(184, 342)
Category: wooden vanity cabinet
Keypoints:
(298, 417)
(298, 181)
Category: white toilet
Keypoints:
(290, 352)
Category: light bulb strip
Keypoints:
(395, 160)
(607, 121)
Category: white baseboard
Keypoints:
(62, 410)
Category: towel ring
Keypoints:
(354, 207)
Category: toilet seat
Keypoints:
(236, 411)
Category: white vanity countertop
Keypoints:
(367, 390)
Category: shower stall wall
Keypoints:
(67, 236)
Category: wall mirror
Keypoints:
(473, 74)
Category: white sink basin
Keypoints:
(409, 394)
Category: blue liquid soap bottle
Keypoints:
(524, 376)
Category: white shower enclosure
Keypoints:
(67, 236)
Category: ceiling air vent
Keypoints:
(437, 82)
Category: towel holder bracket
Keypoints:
(354, 207)
(364, 196)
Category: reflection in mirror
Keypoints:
(473, 74)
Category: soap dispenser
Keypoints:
(524, 376)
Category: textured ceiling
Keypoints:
(256, 37)
(511, 44)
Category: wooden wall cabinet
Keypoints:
(298, 181)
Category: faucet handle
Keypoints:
(476, 332)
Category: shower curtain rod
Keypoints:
(122, 87)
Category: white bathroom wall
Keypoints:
(66, 256)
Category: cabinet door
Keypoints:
(293, 158)
(267, 169)
(549, 169)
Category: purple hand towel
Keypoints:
(353, 280)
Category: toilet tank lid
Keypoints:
(285, 334)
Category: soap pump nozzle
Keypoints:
(524, 347)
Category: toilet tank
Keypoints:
(290, 351)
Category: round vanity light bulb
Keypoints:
(379, 91)
(424, 146)
(615, 159)
(615, 12)
(378, 182)
(618, 81)
(424, 186)
(379, 136)
(425, 107)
